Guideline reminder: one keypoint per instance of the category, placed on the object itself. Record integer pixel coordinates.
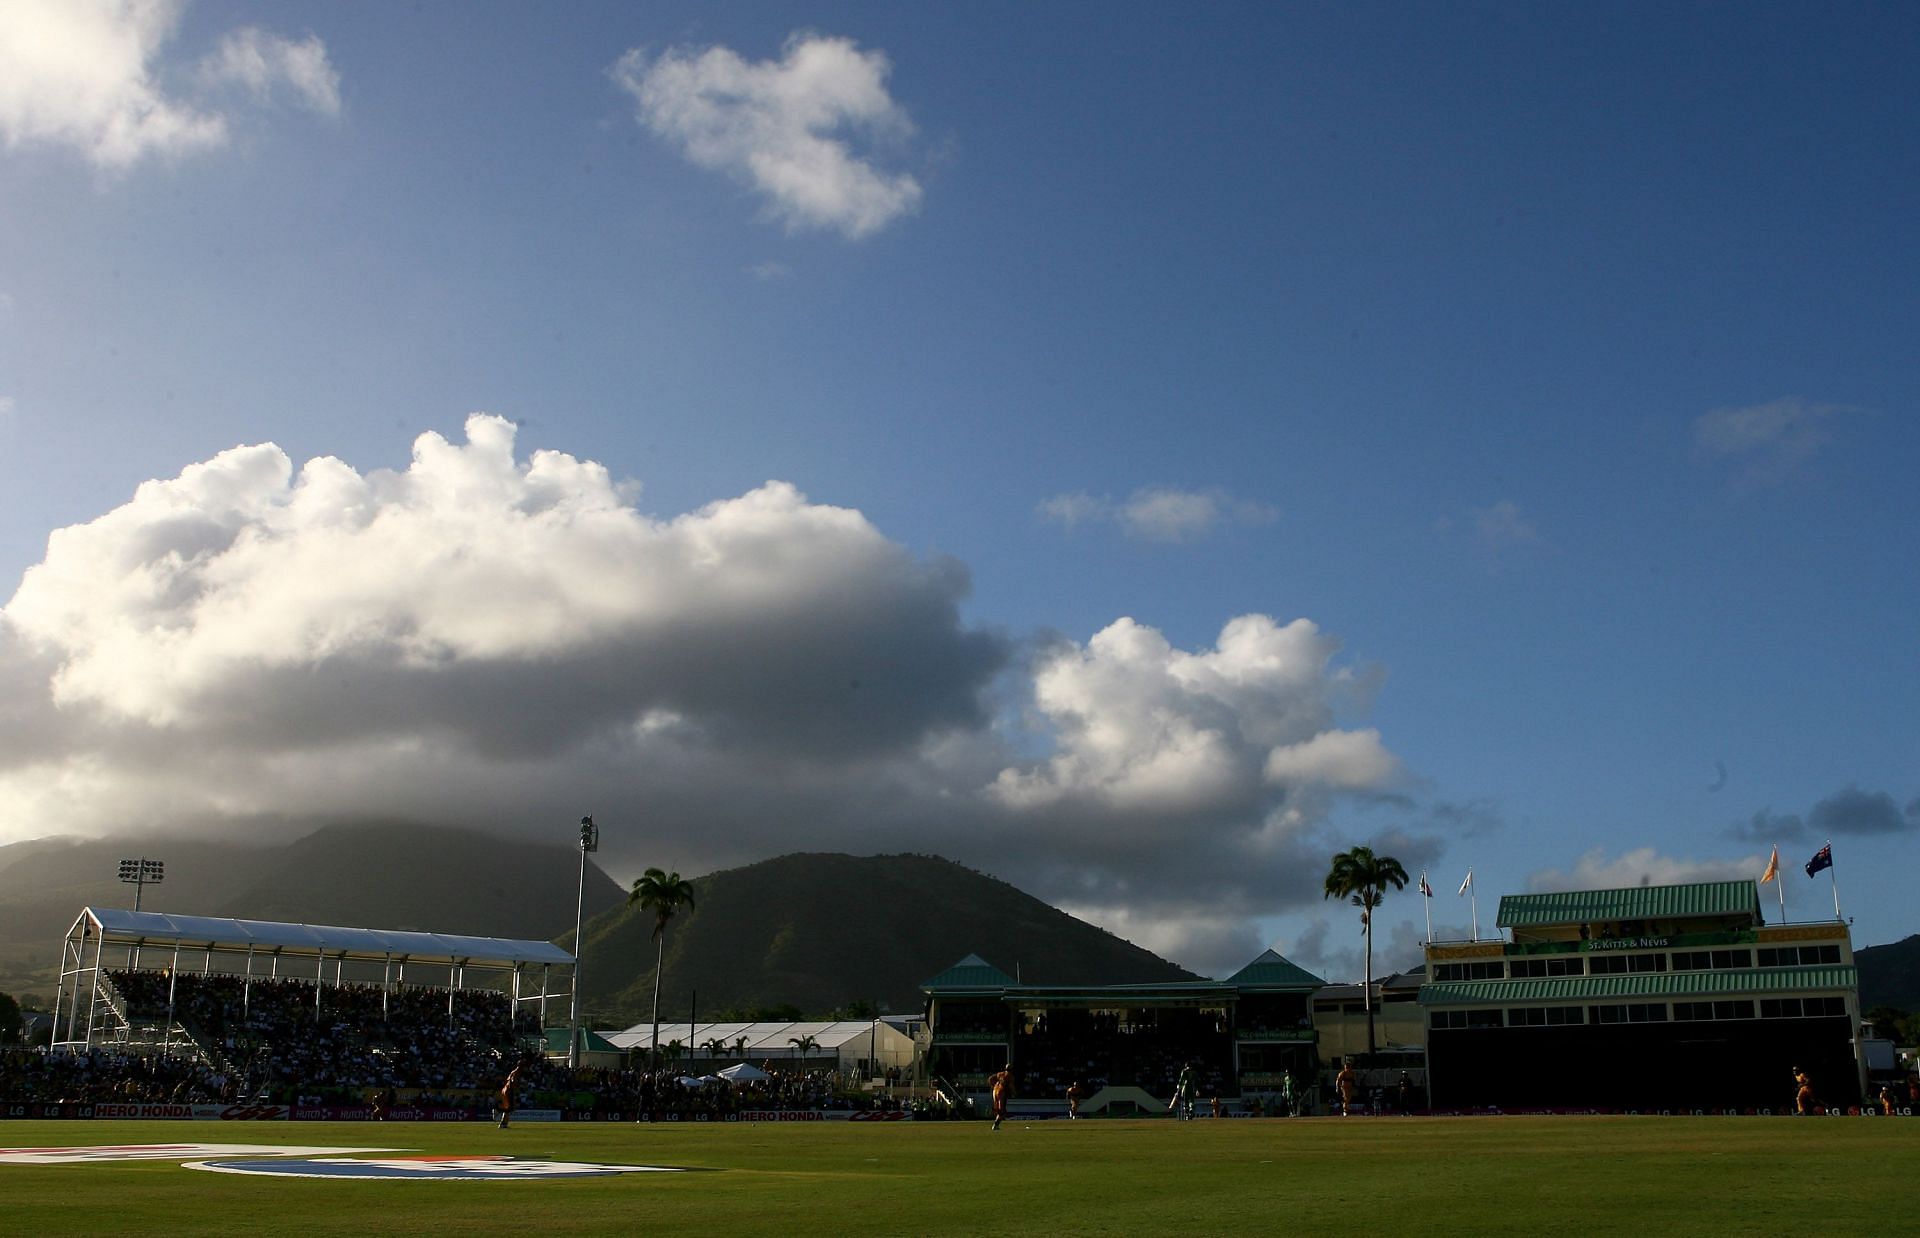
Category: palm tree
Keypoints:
(803, 1045)
(716, 1048)
(674, 1049)
(1361, 877)
(663, 894)
(740, 1048)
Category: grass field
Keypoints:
(1639, 1176)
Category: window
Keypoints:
(1606, 1014)
(1607, 964)
(1444, 1020)
(1686, 1012)
(1446, 973)
(1733, 1010)
(1820, 1007)
(1799, 956)
(1646, 962)
(1701, 960)
(1779, 1007)
(1484, 1018)
(1655, 1012)
(1560, 1016)
(1565, 965)
(1527, 1016)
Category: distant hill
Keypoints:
(378, 875)
(1890, 975)
(819, 931)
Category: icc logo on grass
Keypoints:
(428, 1168)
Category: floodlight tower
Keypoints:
(589, 841)
(141, 873)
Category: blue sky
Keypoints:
(1555, 362)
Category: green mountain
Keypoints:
(821, 931)
(1890, 975)
(378, 875)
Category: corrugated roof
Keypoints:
(219, 933)
(1682, 985)
(972, 972)
(1707, 898)
(1271, 970)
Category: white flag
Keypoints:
(1468, 883)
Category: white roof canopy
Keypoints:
(151, 928)
(773, 1039)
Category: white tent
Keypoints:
(745, 1072)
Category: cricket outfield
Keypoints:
(1593, 1175)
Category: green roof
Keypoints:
(1675, 984)
(1270, 970)
(1706, 898)
(972, 972)
(590, 1041)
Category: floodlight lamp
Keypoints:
(589, 835)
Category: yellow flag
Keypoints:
(1773, 867)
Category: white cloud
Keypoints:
(1140, 725)
(1642, 866)
(1076, 509)
(1767, 440)
(1349, 760)
(261, 62)
(6, 405)
(1209, 943)
(501, 639)
(1502, 526)
(783, 127)
(1169, 515)
(1157, 513)
(81, 74)
(90, 75)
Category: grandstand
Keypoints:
(264, 1007)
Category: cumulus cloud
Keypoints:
(785, 127)
(1157, 513)
(504, 639)
(1141, 725)
(1766, 440)
(1641, 867)
(89, 75)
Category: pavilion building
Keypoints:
(1655, 998)
(1244, 1033)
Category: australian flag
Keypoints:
(1822, 858)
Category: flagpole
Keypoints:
(1473, 894)
(1835, 880)
(1426, 900)
(1780, 888)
